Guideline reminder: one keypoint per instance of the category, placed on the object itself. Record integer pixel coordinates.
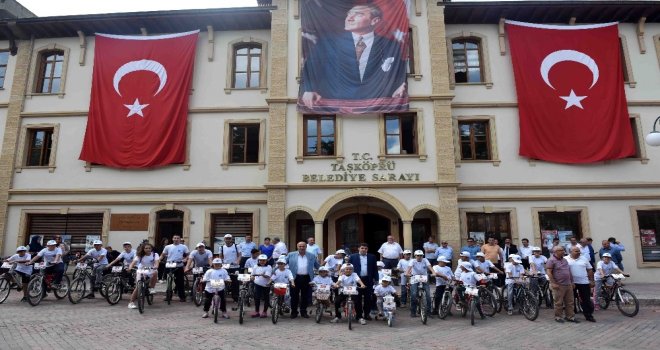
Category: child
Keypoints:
(481, 265)
(323, 277)
(442, 274)
(261, 277)
(383, 290)
(604, 267)
(281, 274)
(419, 267)
(514, 271)
(145, 257)
(253, 260)
(20, 258)
(348, 279)
(334, 262)
(215, 273)
(380, 265)
(402, 267)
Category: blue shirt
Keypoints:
(614, 251)
(473, 250)
(446, 252)
(267, 250)
(246, 248)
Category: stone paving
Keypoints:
(92, 323)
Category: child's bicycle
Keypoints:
(322, 299)
(278, 293)
(142, 277)
(218, 286)
(243, 295)
(41, 281)
(387, 307)
(348, 305)
(421, 283)
(625, 300)
(9, 280)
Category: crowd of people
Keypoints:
(569, 269)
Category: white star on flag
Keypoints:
(136, 108)
(573, 100)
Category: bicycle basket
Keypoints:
(280, 288)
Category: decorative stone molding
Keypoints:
(170, 206)
(263, 64)
(34, 70)
(22, 149)
(226, 143)
(492, 133)
(362, 192)
(626, 62)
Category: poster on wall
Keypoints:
(565, 237)
(89, 241)
(478, 237)
(355, 56)
(219, 242)
(548, 236)
(648, 238)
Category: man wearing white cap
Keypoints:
(334, 262)
(53, 257)
(481, 265)
(402, 267)
(127, 257)
(200, 257)
(463, 257)
(514, 272)
(22, 269)
(99, 254)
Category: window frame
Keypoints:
(36, 71)
(419, 135)
(24, 149)
(513, 221)
(414, 56)
(638, 136)
(472, 138)
(492, 139)
(227, 143)
(245, 143)
(636, 236)
(400, 120)
(3, 78)
(248, 69)
(585, 231)
(210, 213)
(302, 141)
(43, 75)
(484, 58)
(319, 135)
(626, 66)
(232, 47)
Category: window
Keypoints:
(649, 226)
(39, 147)
(400, 134)
(319, 135)
(626, 66)
(563, 225)
(78, 230)
(247, 66)
(475, 139)
(4, 58)
(482, 226)
(244, 143)
(413, 68)
(238, 225)
(411, 53)
(49, 79)
(467, 60)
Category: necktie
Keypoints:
(359, 48)
(506, 253)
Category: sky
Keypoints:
(43, 8)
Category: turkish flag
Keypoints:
(139, 102)
(571, 100)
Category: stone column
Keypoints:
(407, 235)
(318, 236)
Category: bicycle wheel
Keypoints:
(549, 303)
(140, 295)
(113, 293)
(36, 290)
(445, 305)
(275, 310)
(390, 319)
(63, 291)
(487, 302)
(604, 299)
(216, 307)
(473, 309)
(5, 288)
(422, 306)
(530, 308)
(197, 292)
(628, 303)
(78, 290)
(169, 291)
(499, 299)
(349, 314)
(320, 309)
(241, 301)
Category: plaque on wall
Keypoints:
(129, 222)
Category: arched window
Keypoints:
(49, 78)
(468, 65)
(247, 66)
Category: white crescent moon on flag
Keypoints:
(134, 66)
(568, 55)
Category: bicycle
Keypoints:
(387, 307)
(42, 281)
(142, 278)
(541, 288)
(524, 299)
(197, 290)
(79, 286)
(115, 285)
(278, 291)
(218, 286)
(243, 295)
(626, 301)
(322, 299)
(421, 283)
(171, 267)
(486, 297)
(446, 300)
(9, 280)
(496, 291)
(349, 306)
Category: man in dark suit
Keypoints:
(364, 265)
(358, 64)
(508, 248)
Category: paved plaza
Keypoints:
(94, 323)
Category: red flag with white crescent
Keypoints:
(571, 98)
(138, 109)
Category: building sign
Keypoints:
(129, 222)
(362, 168)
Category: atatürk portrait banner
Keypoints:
(355, 56)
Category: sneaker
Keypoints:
(255, 315)
(152, 291)
(591, 319)
(363, 321)
(161, 281)
(225, 316)
(509, 312)
(335, 320)
(559, 320)
(132, 306)
(205, 315)
(573, 320)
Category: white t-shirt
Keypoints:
(402, 266)
(579, 268)
(525, 252)
(49, 255)
(128, 257)
(381, 291)
(175, 253)
(538, 262)
(26, 269)
(97, 254)
(146, 261)
(230, 254)
(322, 280)
(515, 270)
(390, 251)
(331, 262)
(279, 250)
(443, 270)
(281, 276)
(468, 279)
(607, 268)
(262, 270)
(213, 274)
(419, 267)
(351, 280)
(251, 262)
(484, 266)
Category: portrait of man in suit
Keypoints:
(356, 64)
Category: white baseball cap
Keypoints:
(407, 251)
(21, 249)
(340, 251)
(200, 244)
(517, 259)
(125, 243)
(217, 261)
(323, 268)
(347, 266)
(51, 242)
(466, 265)
(419, 252)
(443, 259)
(380, 264)
(607, 255)
(281, 261)
(536, 249)
(386, 278)
(262, 257)
(97, 242)
(229, 236)
(481, 254)
(465, 254)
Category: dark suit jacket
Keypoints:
(372, 273)
(513, 249)
(332, 70)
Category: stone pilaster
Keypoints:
(12, 129)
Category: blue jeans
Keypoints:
(509, 297)
(414, 301)
(58, 270)
(98, 274)
(404, 290)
